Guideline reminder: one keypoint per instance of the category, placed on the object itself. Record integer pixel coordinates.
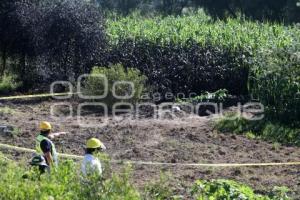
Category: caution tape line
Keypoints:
(163, 163)
(37, 95)
(6, 146)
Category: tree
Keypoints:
(71, 37)
(293, 10)
(162, 6)
(121, 6)
(279, 10)
(50, 39)
(15, 38)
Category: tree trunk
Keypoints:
(3, 67)
(23, 64)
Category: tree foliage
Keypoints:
(188, 68)
(14, 38)
(51, 39)
(279, 10)
(95, 84)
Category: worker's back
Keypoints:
(91, 165)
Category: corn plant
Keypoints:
(233, 33)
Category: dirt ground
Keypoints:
(181, 140)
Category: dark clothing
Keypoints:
(44, 169)
(45, 146)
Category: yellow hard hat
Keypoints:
(45, 126)
(94, 143)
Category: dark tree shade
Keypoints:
(121, 6)
(271, 10)
(72, 36)
(51, 39)
(14, 37)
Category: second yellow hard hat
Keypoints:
(94, 143)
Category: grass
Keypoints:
(16, 131)
(6, 110)
(263, 129)
(116, 93)
(8, 84)
(217, 96)
(228, 189)
(19, 182)
(160, 189)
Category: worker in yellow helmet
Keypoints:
(91, 165)
(44, 146)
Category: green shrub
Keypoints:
(231, 122)
(282, 134)
(159, 190)
(275, 82)
(264, 129)
(95, 85)
(185, 68)
(217, 96)
(227, 189)
(8, 84)
(192, 54)
(20, 183)
(7, 110)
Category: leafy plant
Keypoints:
(232, 122)
(218, 96)
(8, 84)
(227, 189)
(275, 82)
(232, 33)
(192, 54)
(159, 190)
(6, 110)
(184, 68)
(95, 84)
(279, 193)
(281, 133)
(274, 132)
(20, 182)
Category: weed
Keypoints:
(8, 84)
(276, 146)
(6, 110)
(250, 135)
(95, 85)
(63, 184)
(217, 96)
(227, 189)
(18, 181)
(159, 190)
(267, 130)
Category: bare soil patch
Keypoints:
(180, 140)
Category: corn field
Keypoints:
(232, 33)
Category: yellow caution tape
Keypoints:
(6, 146)
(36, 96)
(137, 162)
(162, 163)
